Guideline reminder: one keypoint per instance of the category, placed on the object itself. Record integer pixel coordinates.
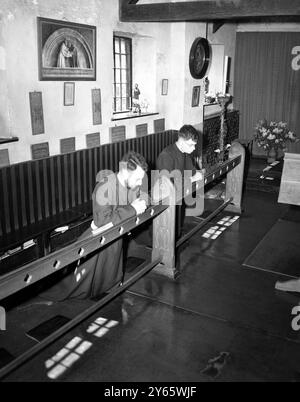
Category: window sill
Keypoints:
(130, 115)
(5, 140)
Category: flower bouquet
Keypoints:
(273, 136)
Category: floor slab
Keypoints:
(227, 291)
(151, 341)
(279, 250)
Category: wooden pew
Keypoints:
(163, 215)
(164, 245)
(36, 197)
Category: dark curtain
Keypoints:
(267, 84)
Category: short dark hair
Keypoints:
(188, 132)
(133, 160)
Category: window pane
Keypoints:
(123, 49)
(123, 61)
(118, 94)
(118, 105)
(124, 76)
(125, 90)
(117, 61)
(117, 75)
(117, 45)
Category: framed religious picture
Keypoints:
(69, 93)
(67, 51)
(164, 87)
(196, 96)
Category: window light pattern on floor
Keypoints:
(101, 326)
(214, 232)
(73, 351)
(66, 357)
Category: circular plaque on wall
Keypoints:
(199, 58)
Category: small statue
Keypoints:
(136, 100)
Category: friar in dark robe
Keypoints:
(177, 157)
(116, 197)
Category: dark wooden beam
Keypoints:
(208, 10)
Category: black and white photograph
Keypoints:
(150, 194)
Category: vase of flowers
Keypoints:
(273, 137)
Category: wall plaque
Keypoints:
(4, 157)
(96, 103)
(93, 140)
(117, 134)
(159, 125)
(67, 145)
(141, 130)
(40, 151)
(36, 110)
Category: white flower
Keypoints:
(282, 124)
(271, 137)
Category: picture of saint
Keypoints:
(67, 56)
(67, 51)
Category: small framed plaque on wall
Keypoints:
(96, 103)
(36, 111)
(40, 151)
(69, 93)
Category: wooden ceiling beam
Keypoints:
(204, 11)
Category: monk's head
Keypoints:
(187, 139)
(134, 168)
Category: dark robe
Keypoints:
(171, 158)
(102, 270)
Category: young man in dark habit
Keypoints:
(177, 157)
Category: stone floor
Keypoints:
(219, 321)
